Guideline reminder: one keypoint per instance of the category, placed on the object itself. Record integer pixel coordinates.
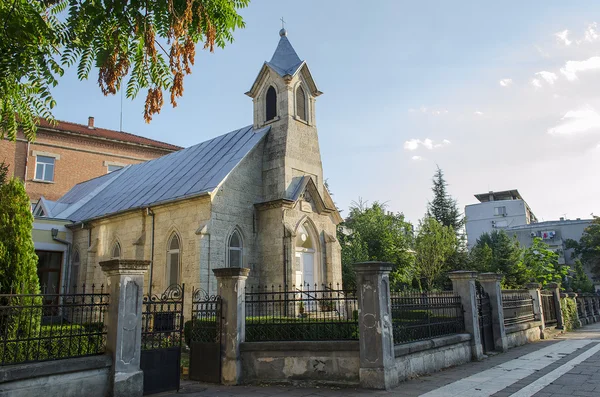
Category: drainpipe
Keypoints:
(26, 163)
(68, 261)
(151, 213)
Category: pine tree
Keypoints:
(443, 207)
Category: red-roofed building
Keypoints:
(68, 153)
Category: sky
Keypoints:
(499, 95)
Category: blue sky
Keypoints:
(500, 95)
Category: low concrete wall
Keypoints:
(73, 377)
(520, 334)
(425, 357)
(330, 362)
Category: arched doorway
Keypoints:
(307, 273)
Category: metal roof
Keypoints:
(189, 172)
(285, 60)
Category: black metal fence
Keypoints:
(549, 308)
(418, 316)
(301, 313)
(162, 318)
(205, 325)
(52, 325)
(517, 306)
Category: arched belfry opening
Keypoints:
(271, 104)
(301, 104)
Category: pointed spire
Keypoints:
(285, 60)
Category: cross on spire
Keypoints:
(282, 23)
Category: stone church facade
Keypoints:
(254, 197)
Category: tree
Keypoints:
(581, 281)
(152, 42)
(588, 247)
(497, 252)
(443, 207)
(378, 236)
(433, 246)
(542, 263)
(354, 250)
(3, 173)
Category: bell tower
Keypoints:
(284, 96)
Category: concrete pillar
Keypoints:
(538, 311)
(590, 307)
(124, 324)
(491, 284)
(377, 359)
(231, 283)
(579, 320)
(555, 288)
(463, 284)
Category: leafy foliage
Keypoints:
(434, 244)
(569, 313)
(371, 233)
(3, 173)
(588, 247)
(541, 263)
(581, 281)
(444, 208)
(152, 42)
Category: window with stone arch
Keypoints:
(271, 104)
(301, 104)
(116, 251)
(75, 263)
(235, 250)
(173, 260)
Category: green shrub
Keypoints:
(300, 329)
(569, 313)
(202, 330)
(404, 314)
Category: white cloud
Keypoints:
(416, 158)
(577, 121)
(426, 110)
(549, 77)
(478, 113)
(413, 144)
(563, 37)
(591, 34)
(573, 67)
(536, 83)
(506, 82)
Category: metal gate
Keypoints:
(484, 310)
(205, 338)
(162, 328)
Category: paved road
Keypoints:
(565, 366)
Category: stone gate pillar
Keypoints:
(463, 284)
(491, 284)
(538, 310)
(231, 284)
(124, 324)
(555, 288)
(377, 359)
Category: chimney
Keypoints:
(91, 123)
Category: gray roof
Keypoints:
(285, 60)
(189, 172)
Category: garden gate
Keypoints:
(484, 310)
(205, 337)
(162, 327)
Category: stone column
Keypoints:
(538, 310)
(377, 359)
(590, 307)
(491, 284)
(231, 283)
(124, 324)
(555, 288)
(463, 284)
(579, 320)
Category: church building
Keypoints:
(254, 197)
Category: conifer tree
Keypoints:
(443, 207)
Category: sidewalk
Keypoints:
(566, 366)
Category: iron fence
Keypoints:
(52, 325)
(206, 318)
(301, 313)
(417, 316)
(517, 306)
(162, 318)
(549, 308)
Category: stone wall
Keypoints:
(328, 362)
(520, 334)
(75, 377)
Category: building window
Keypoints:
(500, 211)
(75, 271)
(301, 104)
(112, 168)
(116, 251)
(235, 249)
(173, 260)
(271, 104)
(44, 168)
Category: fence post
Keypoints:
(555, 288)
(377, 359)
(231, 284)
(463, 284)
(538, 311)
(491, 284)
(590, 307)
(124, 324)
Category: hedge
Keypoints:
(569, 313)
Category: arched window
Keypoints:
(173, 260)
(75, 270)
(235, 249)
(116, 251)
(303, 239)
(301, 103)
(271, 104)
